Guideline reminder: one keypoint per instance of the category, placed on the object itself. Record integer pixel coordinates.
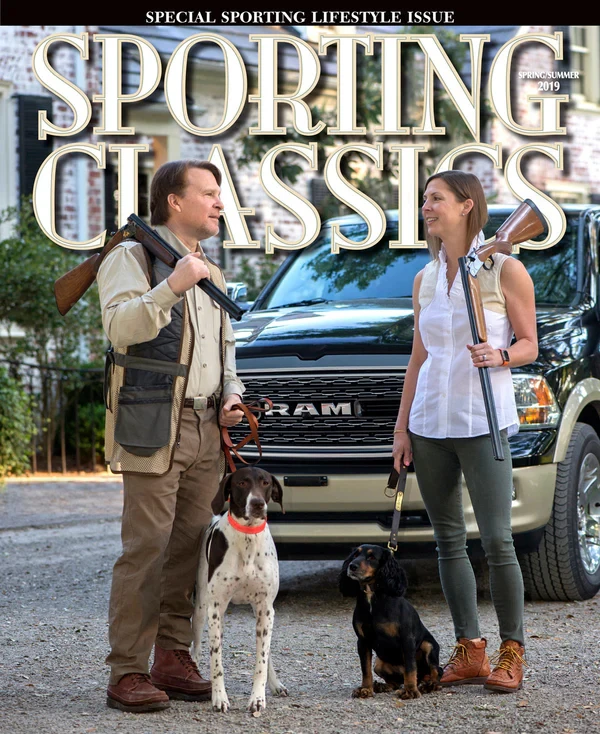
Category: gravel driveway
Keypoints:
(58, 542)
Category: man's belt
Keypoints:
(200, 403)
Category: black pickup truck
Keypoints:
(328, 340)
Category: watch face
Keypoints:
(505, 355)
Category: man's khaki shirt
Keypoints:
(133, 313)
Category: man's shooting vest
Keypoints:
(145, 385)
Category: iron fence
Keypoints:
(68, 409)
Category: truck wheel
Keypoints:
(566, 566)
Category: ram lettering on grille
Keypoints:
(301, 409)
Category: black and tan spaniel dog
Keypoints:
(407, 654)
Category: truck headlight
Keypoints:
(536, 404)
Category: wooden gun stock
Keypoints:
(477, 308)
(71, 286)
(524, 223)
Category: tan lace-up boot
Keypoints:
(468, 664)
(507, 675)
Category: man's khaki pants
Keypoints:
(163, 521)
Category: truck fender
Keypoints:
(586, 392)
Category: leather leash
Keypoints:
(249, 410)
(396, 484)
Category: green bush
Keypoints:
(17, 427)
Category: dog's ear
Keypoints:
(348, 586)
(277, 493)
(390, 577)
(222, 494)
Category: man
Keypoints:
(171, 365)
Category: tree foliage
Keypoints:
(255, 273)
(378, 186)
(29, 264)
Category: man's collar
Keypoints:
(174, 241)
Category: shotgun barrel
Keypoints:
(484, 375)
(153, 242)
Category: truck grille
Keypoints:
(324, 412)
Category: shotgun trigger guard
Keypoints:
(474, 265)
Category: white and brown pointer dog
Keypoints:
(238, 563)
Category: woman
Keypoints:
(442, 425)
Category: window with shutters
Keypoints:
(32, 151)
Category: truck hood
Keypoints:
(337, 327)
(382, 326)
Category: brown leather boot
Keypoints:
(135, 694)
(507, 675)
(468, 664)
(176, 673)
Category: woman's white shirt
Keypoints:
(448, 400)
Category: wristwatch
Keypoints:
(505, 357)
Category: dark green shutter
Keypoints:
(32, 152)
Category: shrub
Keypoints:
(17, 427)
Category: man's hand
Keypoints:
(227, 416)
(188, 271)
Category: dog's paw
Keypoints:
(361, 692)
(407, 693)
(379, 687)
(279, 689)
(256, 703)
(220, 702)
(428, 685)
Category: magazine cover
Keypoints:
(318, 133)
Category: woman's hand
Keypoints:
(484, 355)
(402, 451)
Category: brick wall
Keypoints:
(581, 144)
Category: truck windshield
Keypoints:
(379, 272)
(316, 275)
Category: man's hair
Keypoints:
(464, 186)
(171, 179)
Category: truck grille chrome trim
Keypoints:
(312, 415)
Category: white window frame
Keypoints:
(569, 192)
(586, 59)
(8, 156)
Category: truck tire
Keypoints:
(566, 566)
